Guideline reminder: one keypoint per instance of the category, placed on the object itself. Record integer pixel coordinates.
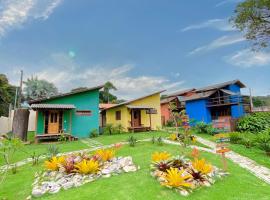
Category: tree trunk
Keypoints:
(20, 123)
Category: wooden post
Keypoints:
(150, 120)
(70, 122)
(131, 118)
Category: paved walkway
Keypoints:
(246, 163)
(91, 143)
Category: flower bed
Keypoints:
(183, 174)
(74, 170)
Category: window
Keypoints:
(151, 111)
(84, 112)
(118, 115)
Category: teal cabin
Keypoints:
(73, 114)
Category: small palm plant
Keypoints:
(132, 141)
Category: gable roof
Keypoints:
(221, 85)
(128, 102)
(181, 92)
(167, 100)
(65, 94)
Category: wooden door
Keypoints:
(53, 125)
(136, 118)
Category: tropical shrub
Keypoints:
(182, 174)
(247, 139)
(87, 167)
(177, 178)
(54, 163)
(93, 133)
(235, 137)
(162, 156)
(52, 150)
(153, 140)
(132, 141)
(160, 141)
(8, 147)
(202, 127)
(170, 123)
(108, 130)
(118, 129)
(105, 154)
(263, 141)
(255, 122)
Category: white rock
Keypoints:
(130, 168)
(105, 171)
(67, 185)
(106, 175)
(37, 192)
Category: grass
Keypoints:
(140, 185)
(253, 153)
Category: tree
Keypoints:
(105, 95)
(7, 95)
(253, 18)
(35, 88)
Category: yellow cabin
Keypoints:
(141, 114)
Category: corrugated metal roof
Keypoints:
(139, 107)
(52, 106)
(167, 100)
(128, 102)
(201, 95)
(228, 92)
(221, 85)
(181, 92)
(65, 94)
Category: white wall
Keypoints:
(6, 122)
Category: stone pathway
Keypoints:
(258, 170)
(91, 143)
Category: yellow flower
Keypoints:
(202, 166)
(173, 136)
(176, 178)
(156, 157)
(105, 154)
(87, 167)
(54, 163)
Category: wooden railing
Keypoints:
(227, 100)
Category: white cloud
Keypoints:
(219, 24)
(227, 2)
(218, 43)
(66, 75)
(247, 58)
(15, 13)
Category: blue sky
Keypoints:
(139, 45)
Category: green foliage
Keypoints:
(235, 137)
(255, 122)
(7, 95)
(263, 141)
(8, 147)
(118, 129)
(169, 123)
(247, 139)
(105, 96)
(253, 18)
(153, 140)
(52, 150)
(93, 133)
(35, 158)
(108, 129)
(132, 141)
(35, 88)
(62, 138)
(202, 127)
(160, 141)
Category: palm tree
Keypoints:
(107, 87)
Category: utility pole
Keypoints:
(15, 100)
(20, 91)
(250, 99)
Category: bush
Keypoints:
(202, 127)
(108, 129)
(263, 141)
(247, 139)
(93, 133)
(255, 122)
(118, 129)
(132, 141)
(170, 123)
(52, 150)
(160, 141)
(235, 137)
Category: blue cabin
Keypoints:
(215, 103)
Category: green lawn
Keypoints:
(27, 150)
(253, 153)
(140, 185)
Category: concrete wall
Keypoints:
(6, 122)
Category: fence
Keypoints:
(6, 122)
